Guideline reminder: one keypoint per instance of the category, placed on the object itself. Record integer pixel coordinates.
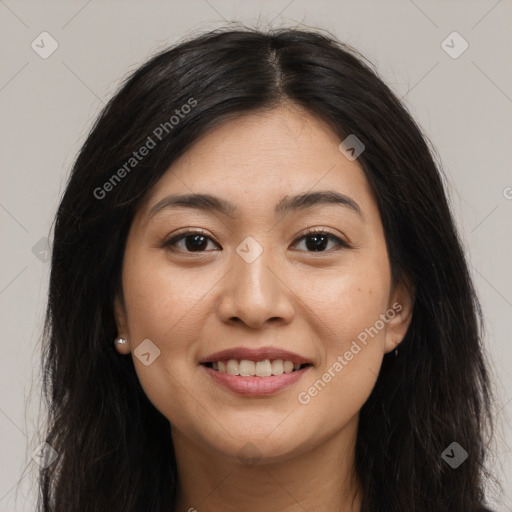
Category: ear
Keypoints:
(399, 313)
(122, 324)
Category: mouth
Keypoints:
(255, 372)
(253, 368)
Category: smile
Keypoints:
(248, 368)
(252, 384)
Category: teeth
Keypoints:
(277, 367)
(246, 368)
(264, 368)
(233, 367)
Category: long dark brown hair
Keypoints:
(115, 449)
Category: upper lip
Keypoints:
(254, 354)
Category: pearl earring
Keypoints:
(121, 341)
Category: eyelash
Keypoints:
(171, 243)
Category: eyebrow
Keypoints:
(211, 203)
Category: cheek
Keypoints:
(348, 301)
(167, 307)
(351, 336)
(162, 303)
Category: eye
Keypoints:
(197, 241)
(316, 240)
(194, 241)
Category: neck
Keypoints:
(322, 478)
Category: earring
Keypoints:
(396, 352)
(121, 341)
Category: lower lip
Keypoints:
(255, 386)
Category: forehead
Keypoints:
(257, 159)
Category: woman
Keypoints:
(258, 298)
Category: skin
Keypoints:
(191, 304)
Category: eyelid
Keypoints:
(343, 241)
(180, 235)
(176, 237)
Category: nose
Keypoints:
(256, 292)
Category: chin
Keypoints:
(255, 447)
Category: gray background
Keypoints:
(48, 105)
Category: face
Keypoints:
(269, 278)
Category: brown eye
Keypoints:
(194, 241)
(317, 240)
(197, 241)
